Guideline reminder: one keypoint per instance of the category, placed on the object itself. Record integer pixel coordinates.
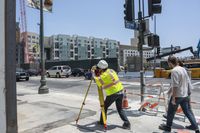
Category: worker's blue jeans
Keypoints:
(117, 98)
(184, 102)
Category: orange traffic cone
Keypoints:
(179, 110)
(125, 101)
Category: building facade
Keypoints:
(66, 47)
(130, 51)
(33, 47)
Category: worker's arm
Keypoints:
(175, 84)
(95, 77)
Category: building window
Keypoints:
(76, 50)
(88, 54)
(71, 46)
(92, 51)
(117, 50)
(76, 57)
(107, 52)
(88, 47)
(57, 45)
(104, 55)
(71, 54)
(56, 53)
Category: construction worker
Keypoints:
(108, 80)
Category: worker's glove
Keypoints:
(93, 68)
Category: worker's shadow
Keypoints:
(95, 127)
(133, 113)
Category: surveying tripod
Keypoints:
(101, 100)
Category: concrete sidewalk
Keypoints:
(56, 112)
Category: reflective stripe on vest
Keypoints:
(100, 80)
(110, 85)
(112, 77)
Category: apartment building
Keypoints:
(66, 47)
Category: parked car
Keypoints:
(59, 71)
(77, 72)
(33, 72)
(88, 75)
(21, 74)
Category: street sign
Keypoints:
(131, 25)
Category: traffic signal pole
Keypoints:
(140, 46)
(43, 89)
(154, 7)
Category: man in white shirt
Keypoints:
(180, 83)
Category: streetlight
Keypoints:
(43, 88)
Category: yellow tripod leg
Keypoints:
(83, 101)
(101, 100)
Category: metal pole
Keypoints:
(10, 66)
(43, 88)
(140, 46)
(154, 66)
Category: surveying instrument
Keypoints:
(101, 100)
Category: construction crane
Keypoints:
(170, 53)
(24, 30)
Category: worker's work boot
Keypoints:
(126, 125)
(99, 123)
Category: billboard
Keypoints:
(47, 5)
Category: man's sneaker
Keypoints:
(190, 127)
(126, 125)
(165, 116)
(165, 127)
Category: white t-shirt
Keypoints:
(180, 81)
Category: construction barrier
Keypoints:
(152, 96)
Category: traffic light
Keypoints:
(154, 6)
(129, 10)
(158, 50)
(153, 40)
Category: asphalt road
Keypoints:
(78, 85)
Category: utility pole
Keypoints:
(43, 88)
(171, 48)
(140, 46)
(10, 66)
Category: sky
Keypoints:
(178, 24)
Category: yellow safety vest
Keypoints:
(109, 81)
